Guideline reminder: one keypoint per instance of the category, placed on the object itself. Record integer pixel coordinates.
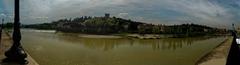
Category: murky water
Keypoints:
(49, 48)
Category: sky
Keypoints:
(217, 13)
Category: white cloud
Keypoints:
(2, 15)
(123, 15)
(201, 10)
(197, 11)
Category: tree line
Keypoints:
(114, 25)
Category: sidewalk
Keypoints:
(5, 44)
(219, 55)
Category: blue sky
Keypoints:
(218, 13)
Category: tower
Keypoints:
(107, 15)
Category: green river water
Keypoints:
(49, 48)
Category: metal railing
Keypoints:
(234, 52)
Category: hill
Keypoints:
(113, 25)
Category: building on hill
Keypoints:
(107, 15)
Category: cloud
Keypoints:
(202, 11)
(123, 15)
(210, 12)
(6, 7)
(2, 15)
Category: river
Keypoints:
(49, 48)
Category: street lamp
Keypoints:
(1, 30)
(2, 23)
(16, 53)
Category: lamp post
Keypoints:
(1, 30)
(16, 53)
(2, 23)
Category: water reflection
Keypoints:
(108, 43)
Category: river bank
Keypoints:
(126, 35)
(218, 56)
(123, 35)
(130, 35)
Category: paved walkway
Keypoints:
(219, 55)
(5, 44)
